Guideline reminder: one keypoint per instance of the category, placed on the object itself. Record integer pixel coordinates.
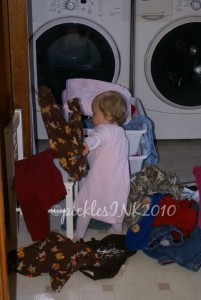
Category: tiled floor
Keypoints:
(141, 277)
(179, 156)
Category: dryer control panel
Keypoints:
(166, 10)
(103, 10)
(187, 7)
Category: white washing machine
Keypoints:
(77, 39)
(167, 65)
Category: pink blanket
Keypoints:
(197, 174)
(87, 89)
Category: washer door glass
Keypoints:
(173, 64)
(74, 50)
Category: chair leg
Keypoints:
(13, 216)
(76, 188)
(69, 209)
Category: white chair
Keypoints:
(14, 151)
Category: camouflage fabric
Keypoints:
(149, 181)
(65, 138)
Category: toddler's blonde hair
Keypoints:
(114, 103)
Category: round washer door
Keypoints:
(72, 47)
(173, 63)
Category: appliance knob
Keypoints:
(70, 5)
(196, 5)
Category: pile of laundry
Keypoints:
(164, 218)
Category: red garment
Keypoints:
(178, 213)
(197, 174)
(38, 186)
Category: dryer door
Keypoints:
(173, 63)
(72, 48)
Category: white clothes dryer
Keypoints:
(167, 65)
(77, 39)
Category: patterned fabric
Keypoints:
(149, 181)
(112, 255)
(60, 257)
(66, 138)
(56, 255)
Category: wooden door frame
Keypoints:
(14, 93)
(19, 44)
(4, 294)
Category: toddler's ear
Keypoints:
(108, 116)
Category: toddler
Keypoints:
(106, 187)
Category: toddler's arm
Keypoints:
(86, 149)
(99, 136)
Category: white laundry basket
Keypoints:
(135, 136)
(136, 161)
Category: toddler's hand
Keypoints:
(86, 149)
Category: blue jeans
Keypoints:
(165, 233)
(186, 254)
